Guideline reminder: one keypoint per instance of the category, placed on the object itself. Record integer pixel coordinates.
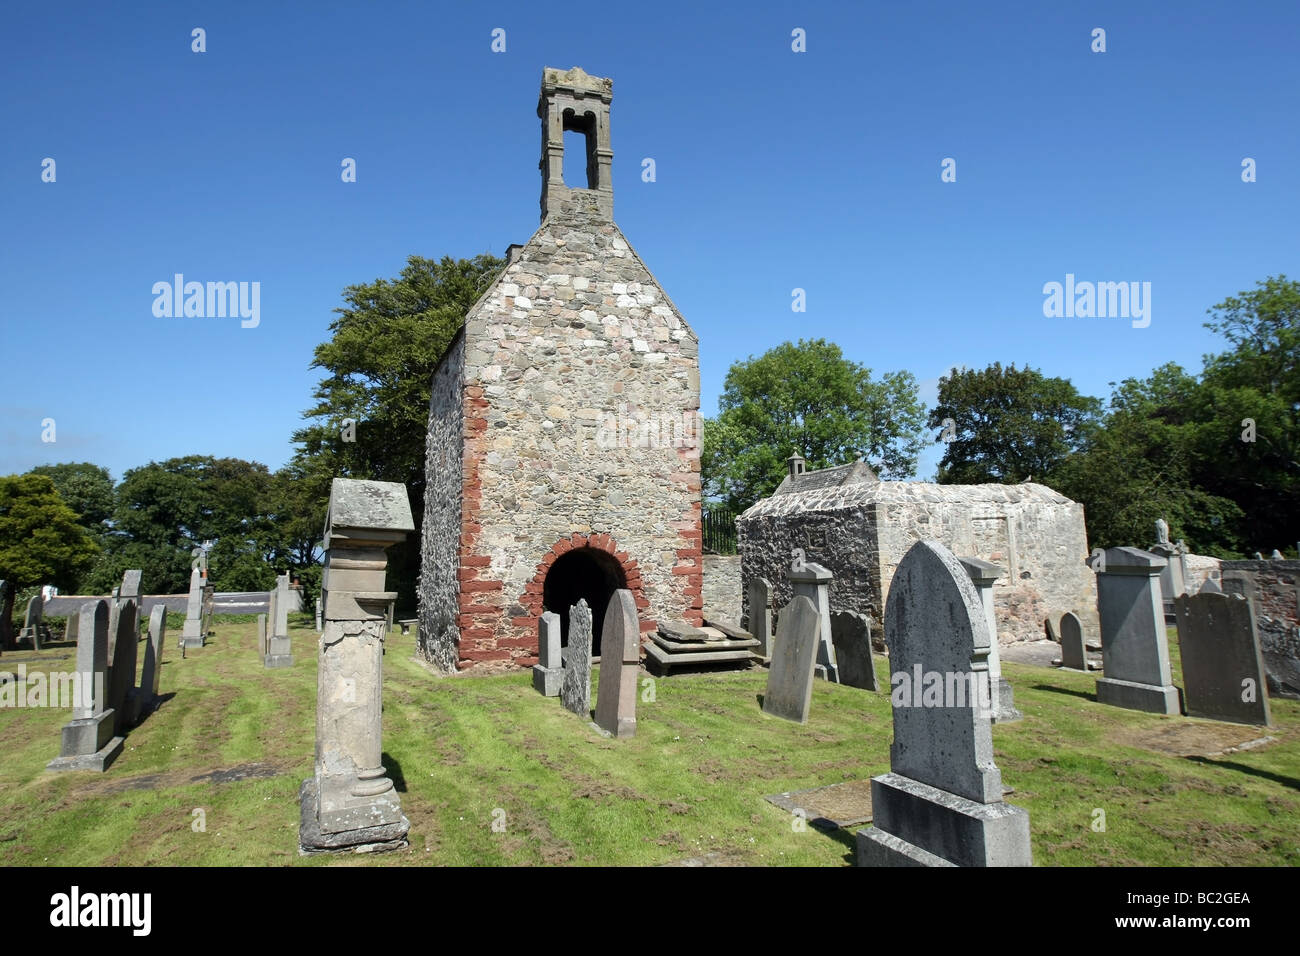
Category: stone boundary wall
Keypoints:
(1273, 587)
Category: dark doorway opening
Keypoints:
(587, 574)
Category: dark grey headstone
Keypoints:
(1049, 628)
(122, 669)
(88, 739)
(620, 654)
(548, 672)
(1073, 653)
(1223, 670)
(1135, 653)
(759, 595)
(851, 634)
(575, 691)
(794, 661)
(153, 653)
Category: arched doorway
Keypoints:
(588, 574)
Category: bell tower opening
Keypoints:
(582, 574)
(573, 102)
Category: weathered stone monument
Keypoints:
(1223, 670)
(351, 804)
(122, 665)
(794, 661)
(813, 582)
(575, 689)
(34, 623)
(982, 575)
(192, 632)
(548, 672)
(151, 672)
(279, 652)
(6, 616)
(262, 645)
(759, 602)
(72, 627)
(620, 656)
(851, 635)
(319, 625)
(1074, 653)
(1135, 654)
(88, 739)
(503, 422)
(941, 803)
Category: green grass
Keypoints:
(690, 783)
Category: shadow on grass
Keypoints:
(1081, 694)
(393, 769)
(847, 837)
(1291, 782)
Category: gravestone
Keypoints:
(813, 582)
(33, 622)
(72, 627)
(279, 649)
(122, 665)
(88, 739)
(620, 654)
(548, 672)
(1276, 555)
(1049, 627)
(1135, 654)
(941, 803)
(1223, 670)
(114, 610)
(760, 615)
(794, 661)
(982, 575)
(1074, 654)
(350, 803)
(851, 635)
(6, 616)
(209, 607)
(319, 626)
(151, 672)
(271, 600)
(1210, 586)
(261, 635)
(192, 632)
(575, 690)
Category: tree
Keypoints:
(1007, 425)
(386, 343)
(40, 539)
(85, 488)
(806, 398)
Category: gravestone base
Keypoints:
(828, 672)
(920, 825)
(88, 744)
(547, 680)
(1006, 712)
(278, 653)
(363, 839)
(1151, 698)
(192, 635)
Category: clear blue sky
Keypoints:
(776, 170)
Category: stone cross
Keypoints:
(88, 739)
(759, 594)
(1074, 653)
(1001, 696)
(350, 803)
(1135, 654)
(153, 655)
(794, 661)
(620, 656)
(941, 803)
(1223, 670)
(192, 633)
(813, 582)
(548, 672)
(575, 690)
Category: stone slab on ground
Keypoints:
(311, 839)
(829, 808)
(666, 660)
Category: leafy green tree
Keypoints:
(85, 488)
(379, 363)
(807, 398)
(41, 541)
(1007, 425)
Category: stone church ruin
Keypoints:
(533, 501)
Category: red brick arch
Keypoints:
(531, 600)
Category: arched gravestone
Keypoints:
(941, 803)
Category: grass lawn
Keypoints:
(234, 741)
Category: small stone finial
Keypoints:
(796, 464)
(1162, 531)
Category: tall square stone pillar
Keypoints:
(814, 582)
(350, 804)
(1135, 653)
(192, 632)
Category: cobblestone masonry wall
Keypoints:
(580, 408)
(1274, 588)
(861, 532)
(722, 588)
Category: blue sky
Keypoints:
(775, 170)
